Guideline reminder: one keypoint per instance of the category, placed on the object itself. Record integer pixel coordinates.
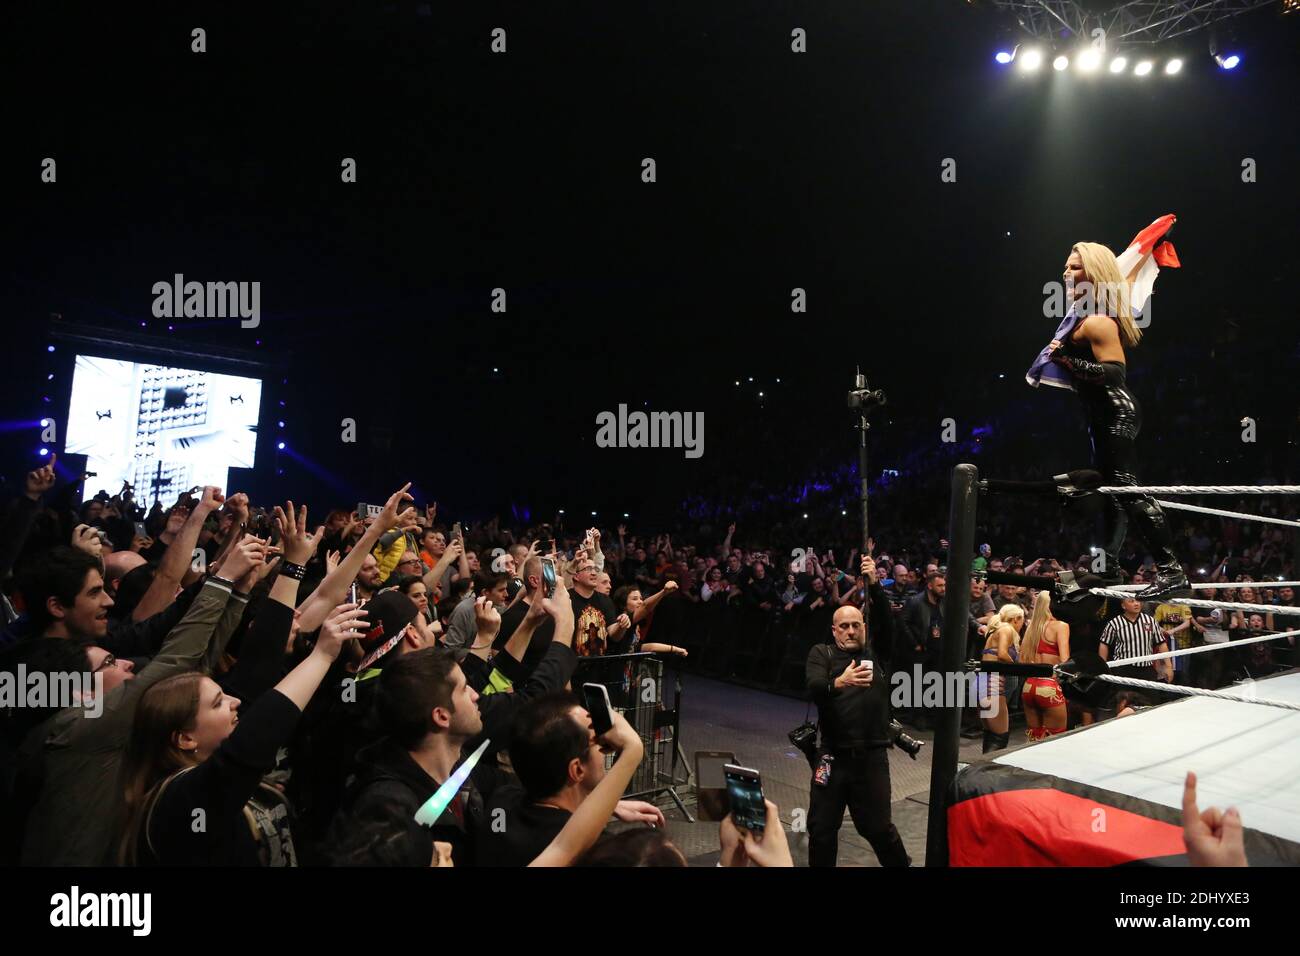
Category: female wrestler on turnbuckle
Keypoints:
(1047, 641)
(1001, 640)
(1093, 354)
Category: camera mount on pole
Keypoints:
(864, 399)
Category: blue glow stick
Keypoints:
(433, 808)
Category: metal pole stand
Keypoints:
(952, 654)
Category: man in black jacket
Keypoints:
(923, 623)
(559, 761)
(848, 680)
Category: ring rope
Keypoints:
(1194, 691)
(1194, 602)
(1166, 655)
(1180, 506)
(1235, 585)
(1199, 490)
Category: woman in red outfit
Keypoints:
(1047, 641)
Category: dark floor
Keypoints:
(754, 724)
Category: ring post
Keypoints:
(952, 654)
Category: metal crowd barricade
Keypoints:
(636, 686)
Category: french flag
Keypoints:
(1140, 263)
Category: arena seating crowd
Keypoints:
(235, 676)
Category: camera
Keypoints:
(866, 398)
(903, 740)
(804, 738)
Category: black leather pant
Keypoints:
(1114, 420)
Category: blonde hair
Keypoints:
(1037, 627)
(1110, 289)
(1003, 618)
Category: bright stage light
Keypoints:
(1173, 66)
(1089, 60)
(1060, 63)
(1119, 64)
(1143, 68)
(1030, 60)
(1229, 62)
(1004, 56)
(44, 452)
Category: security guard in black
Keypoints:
(848, 680)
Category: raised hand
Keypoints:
(639, 811)
(559, 602)
(773, 847)
(855, 675)
(299, 546)
(408, 520)
(85, 538)
(212, 500)
(331, 561)
(261, 572)
(869, 569)
(390, 517)
(621, 735)
(733, 848)
(237, 505)
(176, 520)
(344, 623)
(248, 554)
(486, 617)
(1212, 838)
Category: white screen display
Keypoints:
(163, 429)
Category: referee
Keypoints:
(1135, 634)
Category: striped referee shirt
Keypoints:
(1136, 638)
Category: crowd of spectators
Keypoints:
(264, 692)
(218, 683)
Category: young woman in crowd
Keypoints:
(628, 601)
(1047, 641)
(715, 585)
(1001, 642)
(426, 621)
(193, 768)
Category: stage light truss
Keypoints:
(1138, 21)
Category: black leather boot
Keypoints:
(990, 741)
(1116, 528)
(1171, 581)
